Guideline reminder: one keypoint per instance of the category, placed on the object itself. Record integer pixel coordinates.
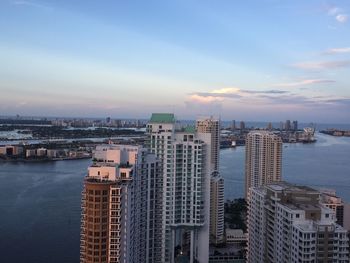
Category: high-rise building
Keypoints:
(269, 126)
(295, 125)
(263, 159)
(288, 125)
(121, 207)
(212, 126)
(332, 201)
(242, 125)
(217, 206)
(233, 125)
(287, 224)
(185, 159)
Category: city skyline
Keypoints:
(282, 60)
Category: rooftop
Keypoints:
(187, 129)
(288, 187)
(162, 118)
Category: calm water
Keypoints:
(40, 202)
(325, 164)
(40, 211)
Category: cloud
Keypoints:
(204, 98)
(264, 91)
(220, 94)
(342, 18)
(333, 51)
(340, 101)
(31, 4)
(215, 95)
(304, 82)
(323, 65)
(226, 90)
(338, 14)
(332, 11)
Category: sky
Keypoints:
(262, 60)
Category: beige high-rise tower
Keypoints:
(263, 159)
(212, 126)
(121, 203)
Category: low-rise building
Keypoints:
(11, 150)
(41, 152)
(235, 236)
(30, 153)
(51, 153)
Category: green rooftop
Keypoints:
(190, 129)
(162, 118)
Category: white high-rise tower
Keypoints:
(287, 224)
(185, 159)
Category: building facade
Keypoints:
(263, 159)
(332, 201)
(212, 126)
(286, 223)
(185, 159)
(119, 209)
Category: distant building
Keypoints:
(41, 152)
(288, 125)
(282, 126)
(217, 202)
(11, 150)
(51, 153)
(30, 153)
(295, 126)
(286, 223)
(212, 126)
(263, 159)
(332, 201)
(242, 125)
(269, 126)
(233, 125)
(236, 236)
(347, 217)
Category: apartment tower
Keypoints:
(185, 160)
(212, 126)
(121, 203)
(334, 202)
(287, 224)
(263, 159)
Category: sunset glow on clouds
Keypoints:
(122, 59)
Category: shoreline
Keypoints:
(43, 160)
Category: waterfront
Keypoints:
(40, 202)
(40, 211)
(324, 164)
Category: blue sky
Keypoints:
(254, 60)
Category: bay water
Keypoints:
(40, 202)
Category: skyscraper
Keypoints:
(185, 161)
(212, 126)
(332, 201)
(263, 159)
(286, 223)
(120, 207)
